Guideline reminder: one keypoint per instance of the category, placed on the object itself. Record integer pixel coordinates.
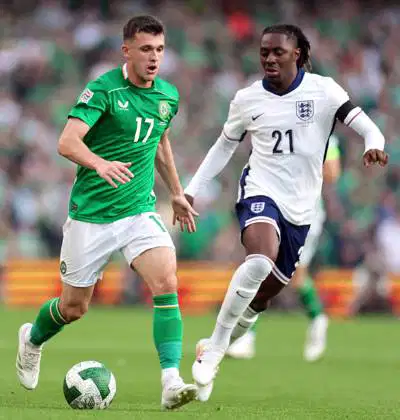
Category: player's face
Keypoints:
(278, 56)
(144, 53)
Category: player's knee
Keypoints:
(299, 278)
(295, 280)
(164, 285)
(258, 267)
(73, 312)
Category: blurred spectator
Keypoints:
(50, 48)
(371, 283)
(388, 239)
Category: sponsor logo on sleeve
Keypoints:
(86, 96)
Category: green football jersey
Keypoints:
(126, 124)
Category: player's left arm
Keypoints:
(355, 118)
(165, 165)
(331, 171)
(332, 168)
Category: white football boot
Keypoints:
(176, 393)
(205, 367)
(28, 359)
(244, 347)
(316, 338)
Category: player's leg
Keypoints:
(243, 339)
(261, 243)
(316, 336)
(260, 236)
(307, 293)
(301, 279)
(292, 241)
(152, 255)
(82, 258)
(53, 315)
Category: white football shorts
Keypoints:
(87, 247)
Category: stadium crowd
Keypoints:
(49, 50)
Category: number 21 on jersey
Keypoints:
(283, 142)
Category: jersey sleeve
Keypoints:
(337, 96)
(92, 103)
(174, 111)
(234, 128)
(333, 152)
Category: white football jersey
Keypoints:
(289, 136)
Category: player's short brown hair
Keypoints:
(146, 23)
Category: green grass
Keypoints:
(358, 379)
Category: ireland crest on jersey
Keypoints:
(164, 110)
(305, 110)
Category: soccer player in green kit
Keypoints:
(117, 133)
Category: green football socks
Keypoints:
(167, 330)
(310, 299)
(48, 323)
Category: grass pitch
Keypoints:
(357, 379)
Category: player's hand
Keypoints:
(190, 199)
(114, 171)
(373, 156)
(183, 213)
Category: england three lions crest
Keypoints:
(257, 207)
(305, 110)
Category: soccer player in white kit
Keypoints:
(289, 115)
(243, 345)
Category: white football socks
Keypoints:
(241, 291)
(245, 322)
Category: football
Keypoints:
(89, 385)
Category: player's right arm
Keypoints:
(84, 115)
(220, 153)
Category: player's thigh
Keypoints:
(157, 267)
(261, 238)
(259, 223)
(85, 250)
(292, 243)
(151, 253)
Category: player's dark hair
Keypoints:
(146, 23)
(292, 31)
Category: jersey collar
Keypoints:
(294, 85)
(125, 71)
(125, 75)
